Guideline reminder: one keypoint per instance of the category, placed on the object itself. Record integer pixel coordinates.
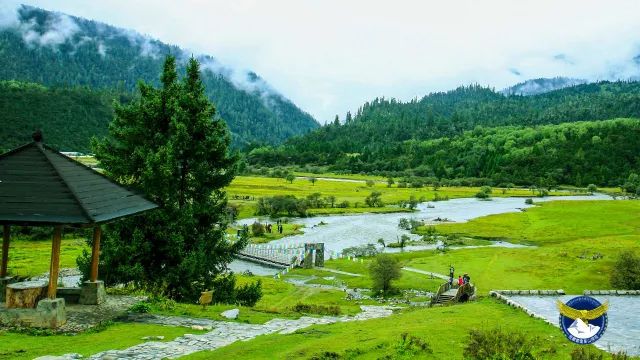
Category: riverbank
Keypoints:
(348, 197)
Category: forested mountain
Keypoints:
(68, 117)
(59, 50)
(541, 85)
(382, 136)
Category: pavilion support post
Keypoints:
(93, 292)
(5, 250)
(95, 253)
(55, 263)
(5, 279)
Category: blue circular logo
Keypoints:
(583, 319)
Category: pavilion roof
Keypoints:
(41, 186)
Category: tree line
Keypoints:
(451, 135)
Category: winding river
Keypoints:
(338, 232)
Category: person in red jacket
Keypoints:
(460, 281)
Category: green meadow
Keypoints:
(444, 329)
(115, 336)
(352, 192)
(568, 245)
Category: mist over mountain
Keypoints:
(541, 86)
(59, 50)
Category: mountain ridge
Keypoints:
(56, 49)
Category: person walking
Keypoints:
(460, 281)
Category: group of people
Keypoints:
(462, 279)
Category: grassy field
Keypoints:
(117, 336)
(566, 236)
(278, 299)
(408, 280)
(353, 192)
(32, 257)
(445, 329)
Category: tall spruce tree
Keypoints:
(168, 145)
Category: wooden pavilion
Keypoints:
(39, 186)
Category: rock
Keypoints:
(159, 337)
(231, 314)
(25, 294)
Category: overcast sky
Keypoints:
(330, 56)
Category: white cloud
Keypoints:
(59, 29)
(330, 56)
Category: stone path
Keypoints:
(221, 333)
(432, 274)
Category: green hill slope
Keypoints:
(59, 50)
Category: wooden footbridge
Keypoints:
(284, 256)
(449, 294)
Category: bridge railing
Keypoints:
(279, 254)
(442, 289)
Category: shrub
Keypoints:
(162, 303)
(257, 229)
(224, 289)
(585, 354)
(374, 200)
(482, 195)
(140, 308)
(402, 184)
(370, 183)
(249, 294)
(360, 251)
(499, 344)
(626, 271)
(333, 310)
(383, 270)
(410, 345)
(529, 201)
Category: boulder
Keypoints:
(231, 314)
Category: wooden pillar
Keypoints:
(95, 253)
(5, 251)
(55, 263)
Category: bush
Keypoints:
(499, 344)
(370, 183)
(332, 310)
(529, 201)
(410, 345)
(374, 200)
(585, 354)
(162, 303)
(249, 294)
(224, 289)
(257, 229)
(140, 308)
(383, 270)
(482, 195)
(626, 271)
(360, 251)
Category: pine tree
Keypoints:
(168, 145)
